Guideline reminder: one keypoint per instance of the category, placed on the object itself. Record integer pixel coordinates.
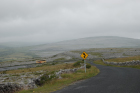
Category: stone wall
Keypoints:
(128, 63)
(12, 87)
(58, 74)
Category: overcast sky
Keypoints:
(58, 20)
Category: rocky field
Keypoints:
(25, 76)
(93, 53)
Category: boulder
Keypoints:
(10, 88)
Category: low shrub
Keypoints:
(59, 59)
(82, 61)
(46, 78)
(76, 64)
(53, 63)
(88, 65)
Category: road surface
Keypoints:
(109, 80)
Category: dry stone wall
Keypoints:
(12, 87)
(128, 63)
(58, 74)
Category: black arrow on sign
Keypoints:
(84, 55)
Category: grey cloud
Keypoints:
(62, 19)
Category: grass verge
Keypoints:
(124, 59)
(57, 84)
(100, 62)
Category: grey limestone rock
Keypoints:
(10, 88)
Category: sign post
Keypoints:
(85, 65)
(84, 55)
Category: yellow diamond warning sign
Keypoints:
(84, 55)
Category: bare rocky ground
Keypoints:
(75, 54)
(19, 78)
(72, 56)
(68, 56)
(9, 83)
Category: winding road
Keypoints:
(109, 80)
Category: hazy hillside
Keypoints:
(92, 42)
(84, 43)
(20, 44)
(45, 50)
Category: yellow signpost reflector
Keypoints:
(84, 55)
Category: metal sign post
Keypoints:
(84, 55)
(85, 65)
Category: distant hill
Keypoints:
(45, 50)
(19, 44)
(85, 43)
(1, 47)
(92, 42)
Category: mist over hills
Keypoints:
(92, 42)
(19, 44)
(85, 43)
(89, 42)
(44, 50)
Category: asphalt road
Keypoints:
(109, 80)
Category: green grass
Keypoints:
(59, 59)
(44, 68)
(95, 54)
(57, 84)
(80, 52)
(125, 54)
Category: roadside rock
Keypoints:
(10, 88)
